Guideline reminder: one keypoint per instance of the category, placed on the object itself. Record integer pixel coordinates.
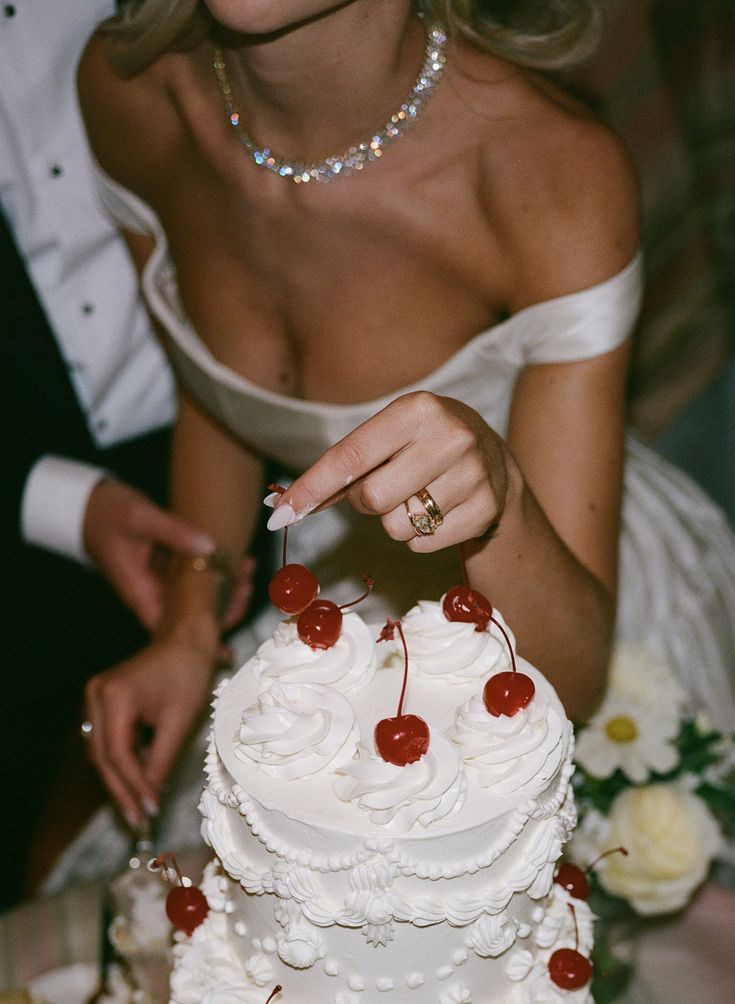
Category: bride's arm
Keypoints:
(552, 566)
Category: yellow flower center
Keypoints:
(621, 729)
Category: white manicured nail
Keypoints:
(284, 515)
(270, 500)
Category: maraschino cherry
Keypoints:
(568, 968)
(405, 738)
(320, 624)
(467, 606)
(293, 587)
(186, 905)
(574, 879)
(274, 991)
(505, 693)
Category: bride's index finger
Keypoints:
(325, 482)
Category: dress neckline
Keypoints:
(165, 302)
(527, 316)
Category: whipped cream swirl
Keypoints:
(510, 753)
(399, 797)
(347, 665)
(297, 729)
(439, 647)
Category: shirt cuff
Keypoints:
(54, 504)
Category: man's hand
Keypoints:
(122, 531)
(162, 689)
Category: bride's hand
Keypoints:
(162, 690)
(419, 441)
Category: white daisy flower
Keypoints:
(632, 736)
(639, 675)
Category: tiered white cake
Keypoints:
(350, 880)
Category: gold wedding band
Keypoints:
(86, 729)
(425, 523)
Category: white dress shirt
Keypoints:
(77, 262)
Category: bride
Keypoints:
(428, 329)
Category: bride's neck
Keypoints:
(311, 90)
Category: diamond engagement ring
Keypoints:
(86, 729)
(425, 523)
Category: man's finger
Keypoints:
(170, 734)
(171, 531)
(123, 758)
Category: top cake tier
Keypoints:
(294, 729)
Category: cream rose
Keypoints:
(671, 838)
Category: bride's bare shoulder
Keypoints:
(556, 184)
(131, 121)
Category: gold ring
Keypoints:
(86, 729)
(425, 523)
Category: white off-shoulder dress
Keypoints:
(677, 553)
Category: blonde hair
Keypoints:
(540, 34)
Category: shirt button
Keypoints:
(56, 170)
(87, 308)
(9, 10)
(101, 424)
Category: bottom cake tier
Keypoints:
(239, 954)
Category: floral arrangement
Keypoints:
(658, 781)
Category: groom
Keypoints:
(88, 402)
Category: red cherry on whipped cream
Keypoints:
(405, 738)
(293, 588)
(402, 740)
(186, 907)
(507, 693)
(320, 624)
(186, 904)
(467, 606)
(574, 879)
(568, 968)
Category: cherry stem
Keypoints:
(405, 667)
(613, 850)
(169, 856)
(274, 991)
(463, 564)
(284, 547)
(280, 490)
(504, 633)
(576, 929)
(369, 582)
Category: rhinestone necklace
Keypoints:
(356, 157)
